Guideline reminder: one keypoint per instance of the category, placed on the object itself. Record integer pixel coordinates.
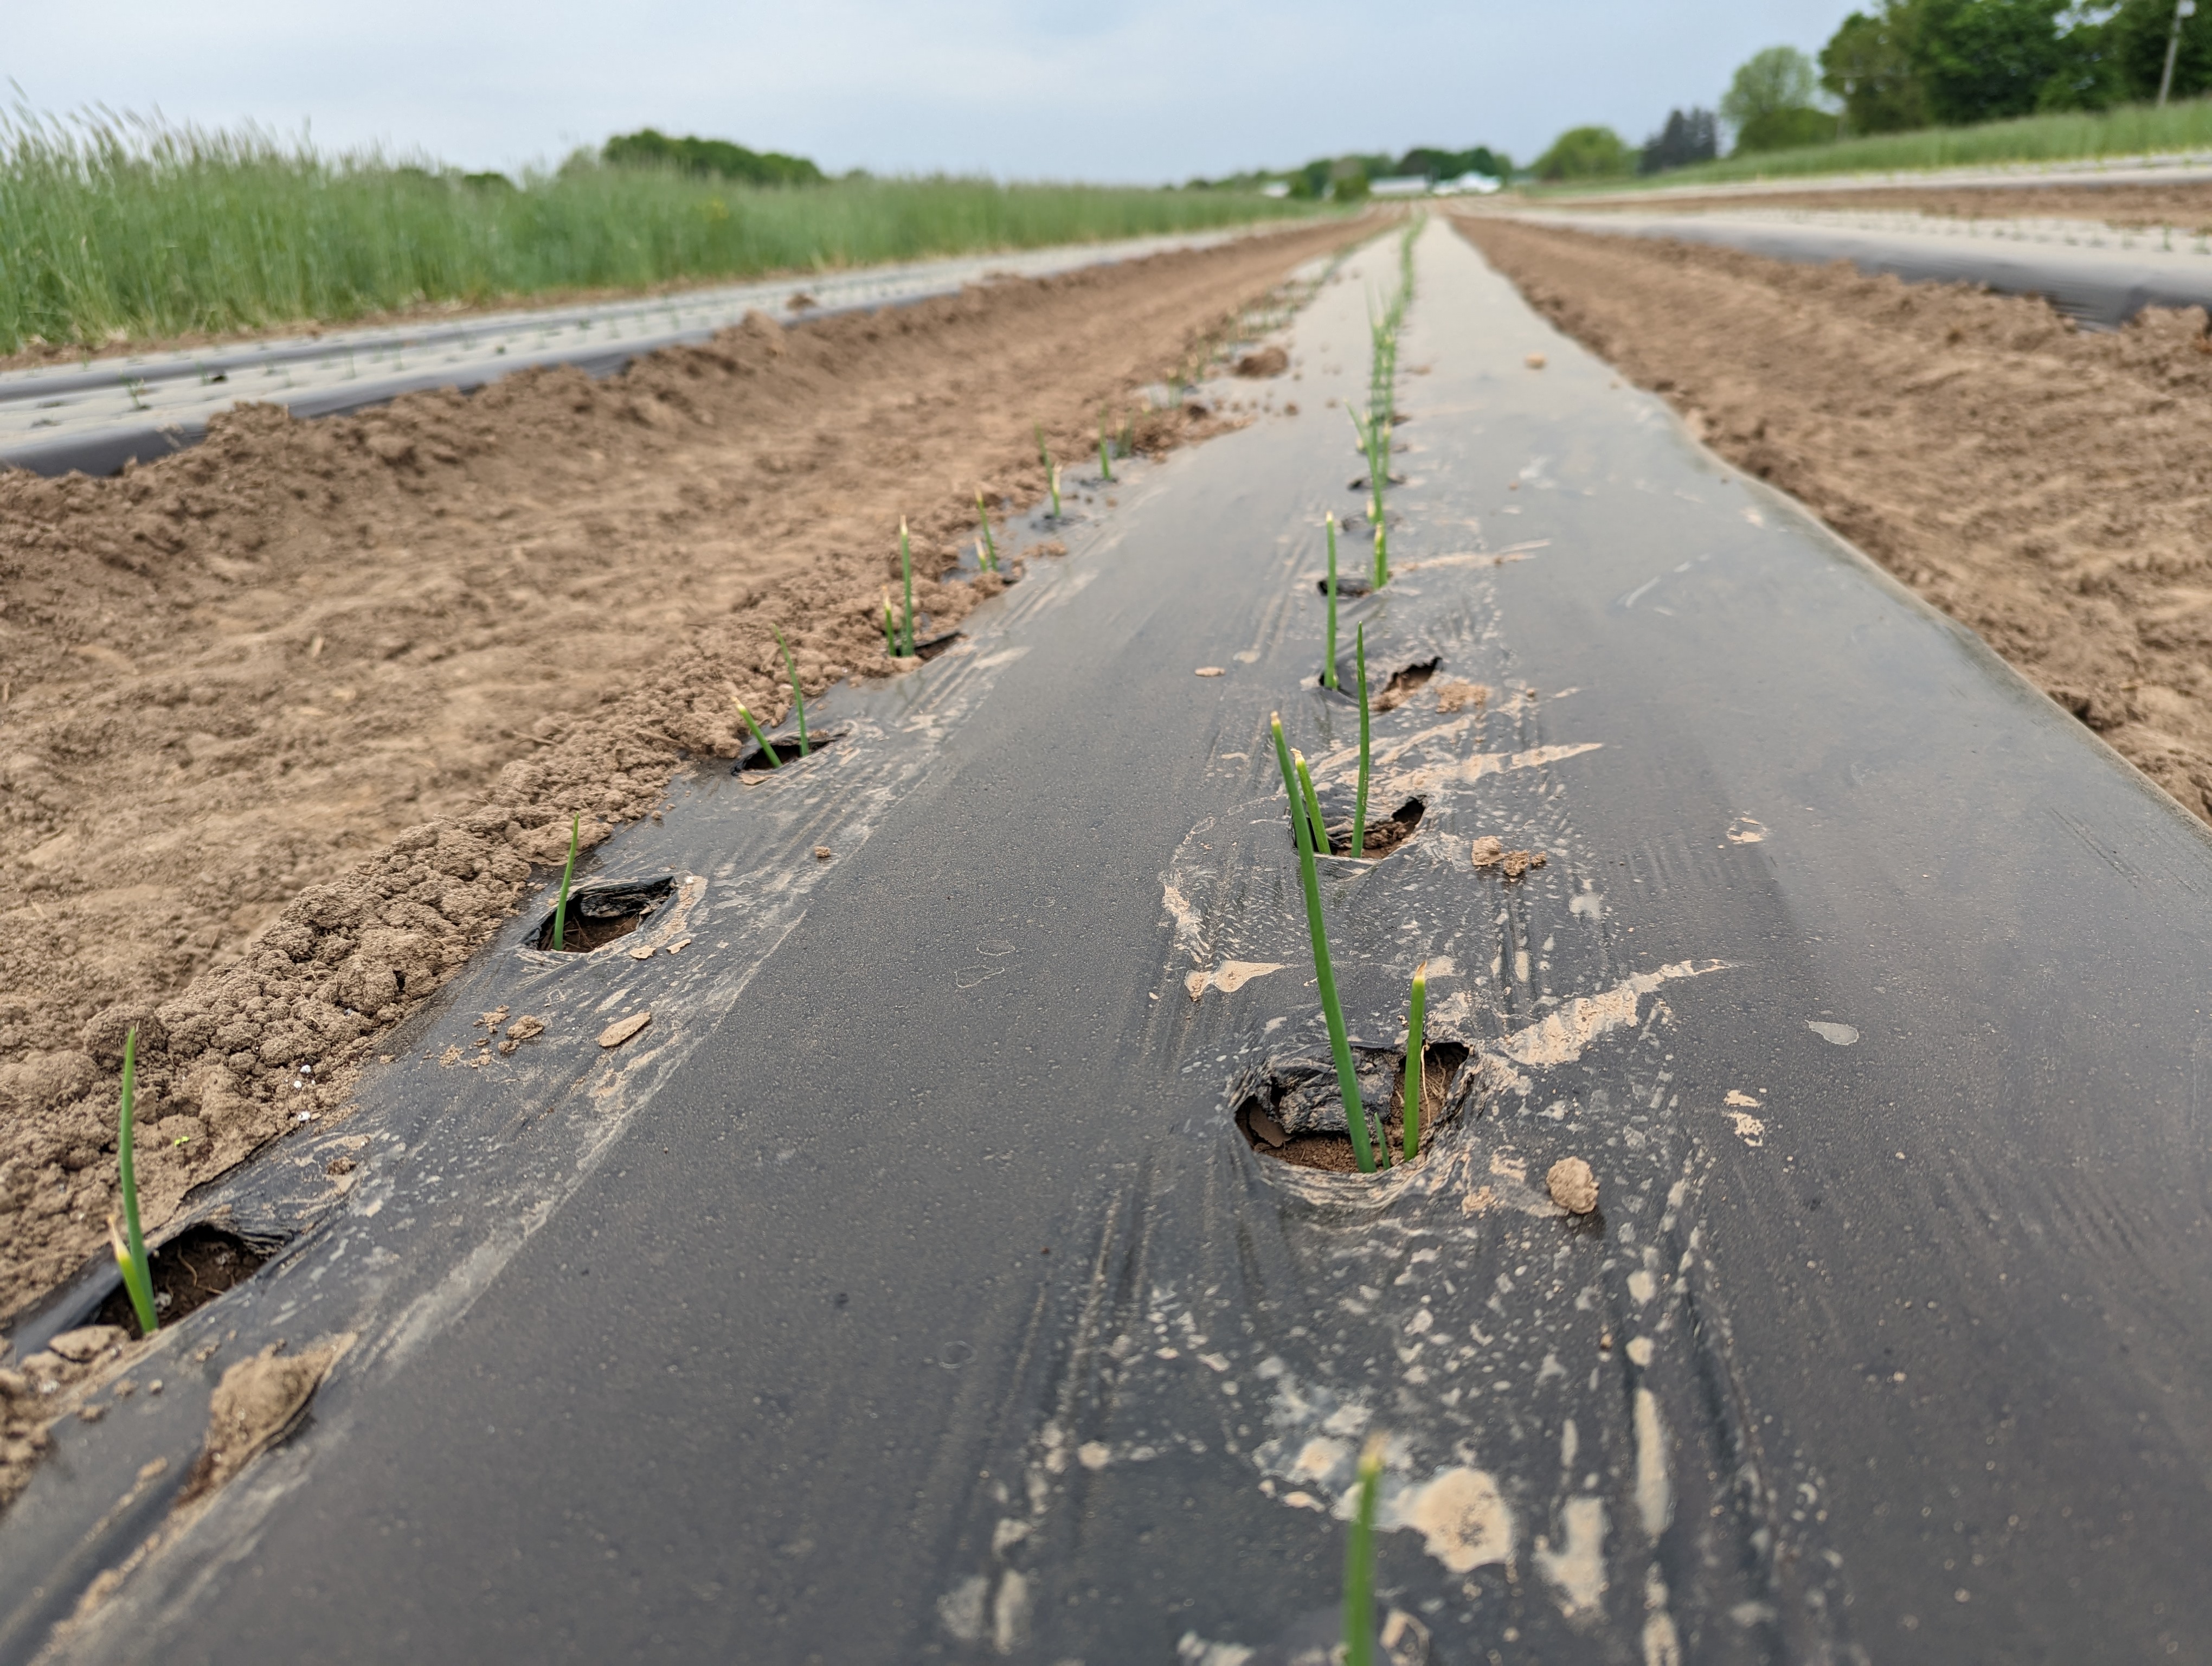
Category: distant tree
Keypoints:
(647, 148)
(1437, 165)
(1980, 60)
(1586, 153)
(1868, 65)
(1689, 136)
(2136, 42)
(1779, 78)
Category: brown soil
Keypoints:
(2047, 488)
(2182, 206)
(285, 720)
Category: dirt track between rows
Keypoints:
(287, 717)
(2049, 488)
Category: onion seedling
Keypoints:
(1105, 459)
(799, 698)
(990, 543)
(745, 712)
(906, 572)
(1347, 1077)
(1328, 672)
(1360, 1562)
(568, 873)
(1381, 554)
(1416, 1012)
(891, 630)
(1313, 805)
(1056, 490)
(130, 1243)
(1359, 800)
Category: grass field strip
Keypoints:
(55, 419)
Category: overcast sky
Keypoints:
(1148, 90)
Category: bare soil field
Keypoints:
(2181, 206)
(2051, 489)
(285, 720)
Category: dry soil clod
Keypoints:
(1490, 851)
(1572, 1186)
(623, 1028)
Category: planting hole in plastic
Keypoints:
(930, 648)
(1405, 683)
(188, 1272)
(1348, 585)
(1293, 1110)
(1384, 833)
(600, 913)
(786, 749)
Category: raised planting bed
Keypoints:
(908, 1279)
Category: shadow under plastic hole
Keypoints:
(599, 914)
(188, 1272)
(1276, 1116)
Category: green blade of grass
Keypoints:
(560, 910)
(129, 1244)
(1340, 1043)
(797, 695)
(1360, 800)
(1360, 1562)
(745, 712)
(1105, 462)
(1052, 472)
(906, 573)
(1382, 555)
(1328, 672)
(1416, 1014)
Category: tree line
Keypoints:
(1915, 63)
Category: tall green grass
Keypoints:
(124, 226)
(2075, 136)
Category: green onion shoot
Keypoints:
(990, 543)
(774, 762)
(1360, 800)
(129, 1241)
(1347, 1077)
(797, 698)
(1417, 1011)
(1359, 1562)
(1313, 805)
(568, 873)
(906, 572)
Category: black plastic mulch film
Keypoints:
(905, 1287)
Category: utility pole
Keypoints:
(2181, 8)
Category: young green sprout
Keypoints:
(1360, 1562)
(906, 572)
(1381, 554)
(1328, 672)
(1359, 799)
(1416, 1011)
(129, 1244)
(1347, 1077)
(983, 518)
(1105, 460)
(767, 751)
(1053, 471)
(798, 696)
(1313, 805)
(568, 873)
(891, 630)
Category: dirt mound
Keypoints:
(287, 717)
(2048, 488)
